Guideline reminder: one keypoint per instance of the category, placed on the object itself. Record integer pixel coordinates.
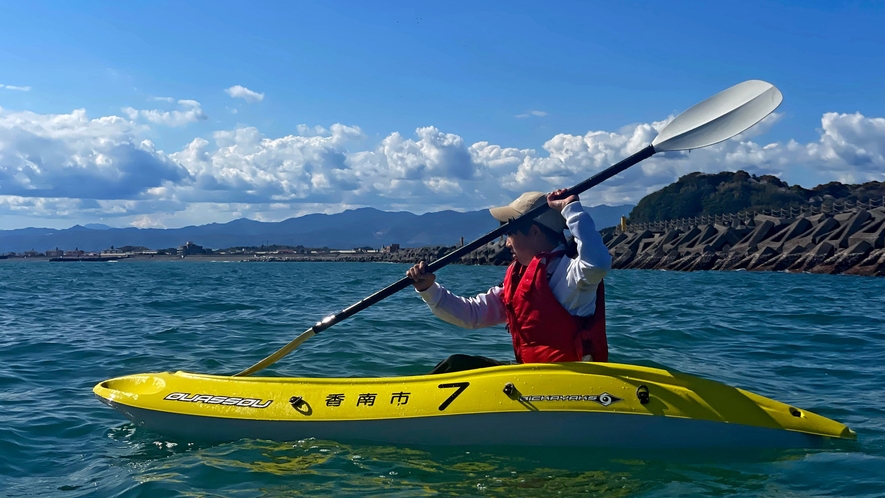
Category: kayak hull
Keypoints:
(562, 429)
(572, 404)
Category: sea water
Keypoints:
(813, 341)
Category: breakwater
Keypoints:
(851, 242)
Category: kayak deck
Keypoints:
(567, 404)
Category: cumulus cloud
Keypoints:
(852, 143)
(244, 166)
(12, 205)
(73, 156)
(434, 155)
(50, 165)
(241, 92)
(87, 210)
(191, 112)
(147, 221)
(850, 149)
(539, 114)
(321, 165)
(16, 88)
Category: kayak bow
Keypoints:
(568, 404)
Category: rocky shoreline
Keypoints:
(851, 242)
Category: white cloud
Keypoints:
(539, 114)
(73, 167)
(73, 156)
(243, 166)
(851, 149)
(11, 205)
(434, 155)
(191, 113)
(241, 92)
(147, 221)
(16, 88)
(307, 131)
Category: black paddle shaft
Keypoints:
(494, 234)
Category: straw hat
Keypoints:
(551, 219)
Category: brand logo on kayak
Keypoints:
(603, 399)
(211, 399)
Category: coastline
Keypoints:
(493, 253)
(851, 242)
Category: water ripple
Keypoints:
(816, 341)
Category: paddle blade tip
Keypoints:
(720, 117)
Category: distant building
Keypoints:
(190, 248)
(390, 248)
(55, 253)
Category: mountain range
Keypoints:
(352, 228)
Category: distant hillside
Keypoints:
(352, 228)
(722, 193)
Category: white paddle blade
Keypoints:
(720, 117)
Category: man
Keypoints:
(551, 301)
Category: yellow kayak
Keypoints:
(604, 405)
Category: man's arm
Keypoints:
(483, 310)
(575, 283)
(593, 260)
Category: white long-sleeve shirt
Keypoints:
(572, 280)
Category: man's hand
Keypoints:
(420, 278)
(557, 199)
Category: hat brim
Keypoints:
(550, 219)
(504, 213)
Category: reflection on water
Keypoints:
(315, 466)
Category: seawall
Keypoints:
(851, 242)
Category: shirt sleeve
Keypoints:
(483, 310)
(593, 260)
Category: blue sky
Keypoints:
(169, 114)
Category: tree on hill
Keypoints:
(699, 194)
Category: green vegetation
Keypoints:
(700, 194)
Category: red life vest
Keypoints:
(543, 330)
